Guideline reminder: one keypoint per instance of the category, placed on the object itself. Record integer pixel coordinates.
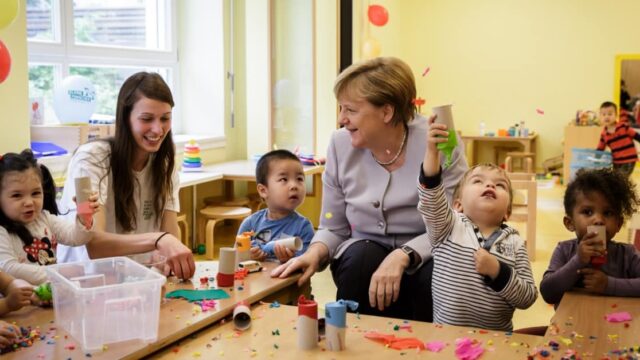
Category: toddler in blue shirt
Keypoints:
(280, 183)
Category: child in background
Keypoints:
(481, 268)
(595, 197)
(618, 136)
(280, 183)
(29, 227)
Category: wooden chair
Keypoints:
(526, 159)
(212, 215)
(524, 206)
(183, 228)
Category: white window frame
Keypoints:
(63, 51)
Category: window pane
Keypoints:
(41, 83)
(40, 20)
(107, 81)
(129, 23)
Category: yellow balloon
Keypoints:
(370, 48)
(8, 12)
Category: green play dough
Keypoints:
(195, 295)
(447, 148)
(44, 292)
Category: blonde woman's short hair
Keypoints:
(381, 81)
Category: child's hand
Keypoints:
(487, 264)
(595, 281)
(436, 134)
(257, 254)
(18, 294)
(589, 246)
(8, 333)
(283, 253)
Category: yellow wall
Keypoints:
(14, 91)
(500, 60)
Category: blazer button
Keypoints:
(380, 224)
(376, 204)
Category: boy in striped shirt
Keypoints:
(618, 136)
(481, 268)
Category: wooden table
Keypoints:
(245, 170)
(177, 317)
(583, 314)
(222, 341)
(471, 143)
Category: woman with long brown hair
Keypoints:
(135, 176)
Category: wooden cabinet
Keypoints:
(578, 137)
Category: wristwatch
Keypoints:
(413, 255)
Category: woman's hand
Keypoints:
(384, 287)
(283, 253)
(8, 334)
(18, 294)
(309, 262)
(179, 257)
(589, 246)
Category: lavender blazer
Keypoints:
(361, 200)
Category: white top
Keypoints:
(92, 160)
(48, 231)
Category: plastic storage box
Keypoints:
(106, 300)
(588, 159)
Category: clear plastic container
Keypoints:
(106, 300)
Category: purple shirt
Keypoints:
(622, 268)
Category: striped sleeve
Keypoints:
(438, 217)
(520, 291)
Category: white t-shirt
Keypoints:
(92, 160)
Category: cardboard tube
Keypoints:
(227, 261)
(294, 243)
(242, 316)
(307, 326)
(601, 230)
(83, 189)
(444, 116)
(336, 323)
(243, 245)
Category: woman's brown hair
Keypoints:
(152, 86)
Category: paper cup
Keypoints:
(83, 189)
(601, 230)
(242, 316)
(293, 243)
(444, 116)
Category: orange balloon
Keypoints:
(5, 62)
(378, 15)
(371, 48)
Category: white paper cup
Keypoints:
(227, 260)
(83, 189)
(444, 115)
(294, 243)
(601, 230)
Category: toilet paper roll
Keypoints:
(307, 325)
(242, 316)
(294, 243)
(227, 260)
(83, 189)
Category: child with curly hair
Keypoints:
(602, 197)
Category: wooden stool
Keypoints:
(183, 229)
(222, 201)
(211, 215)
(526, 161)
